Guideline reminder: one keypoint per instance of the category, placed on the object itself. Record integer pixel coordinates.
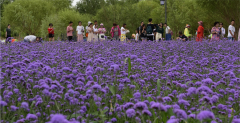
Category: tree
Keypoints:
(60, 4)
(90, 6)
(3, 25)
(25, 15)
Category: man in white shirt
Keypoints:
(231, 31)
(168, 32)
(222, 30)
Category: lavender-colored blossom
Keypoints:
(147, 112)
(205, 115)
(130, 113)
(180, 113)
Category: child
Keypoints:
(136, 36)
(51, 32)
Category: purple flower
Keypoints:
(3, 103)
(128, 105)
(24, 105)
(113, 120)
(58, 118)
(192, 116)
(147, 112)
(96, 87)
(31, 117)
(180, 113)
(236, 121)
(140, 106)
(137, 95)
(130, 113)
(205, 115)
(159, 106)
(183, 102)
(173, 121)
(13, 108)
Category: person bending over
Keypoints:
(32, 39)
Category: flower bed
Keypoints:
(113, 82)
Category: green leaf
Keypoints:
(12, 119)
(73, 116)
(150, 99)
(158, 86)
(94, 113)
(112, 89)
(129, 67)
(104, 111)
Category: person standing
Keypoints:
(87, 29)
(70, 31)
(95, 23)
(231, 31)
(160, 31)
(239, 34)
(140, 30)
(102, 32)
(144, 33)
(222, 29)
(116, 32)
(95, 33)
(149, 29)
(80, 31)
(137, 36)
(186, 31)
(8, 34)
(51, 32)
(90, 33)
(200, 31)
(215, 32)
(123, 33)
(168, 32)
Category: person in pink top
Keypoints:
(215, 32)
(116, 32)
(70, 31)
(102, 32)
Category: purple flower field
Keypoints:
(111, 82)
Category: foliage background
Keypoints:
(33, 16)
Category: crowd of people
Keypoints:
(145, 32)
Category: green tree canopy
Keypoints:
(25, 15)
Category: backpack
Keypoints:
(149, 30)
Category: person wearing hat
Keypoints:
(102, 32)
(200, 32)
(89, 22)
(186, 31)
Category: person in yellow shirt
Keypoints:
(186, 31)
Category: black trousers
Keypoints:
(150, 37)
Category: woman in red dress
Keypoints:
(200, 31)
